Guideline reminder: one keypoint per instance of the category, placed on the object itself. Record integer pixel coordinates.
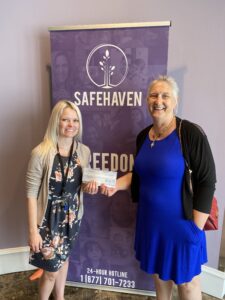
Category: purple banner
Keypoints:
(106, 72)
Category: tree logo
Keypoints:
(107, 66)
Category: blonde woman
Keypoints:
(54, 195)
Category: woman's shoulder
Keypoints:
(141, 136)
(83, 148)
(42, 154)
(37, 150)
(42, 148)
(36, 159)
(193, 128)
(144, 131)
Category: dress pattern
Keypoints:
(166, 243)
(60, 225)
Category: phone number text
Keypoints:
(102, 280)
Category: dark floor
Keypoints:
(17, 286)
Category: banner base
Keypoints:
(111, 289)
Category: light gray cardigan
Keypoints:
(38, 175)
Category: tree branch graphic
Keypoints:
(107, 69)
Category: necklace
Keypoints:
(160, 133)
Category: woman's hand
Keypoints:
(35, 242)
(90, 187)
(107, 191)
(122, 183)
(200, 218)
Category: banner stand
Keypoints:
(105, 70)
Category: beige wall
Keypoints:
(196, 60)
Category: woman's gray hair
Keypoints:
(169, 80)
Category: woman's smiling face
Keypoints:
(69, 123)
(161, 101)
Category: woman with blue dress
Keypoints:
(55, 197)
(170, 242)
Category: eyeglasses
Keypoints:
(164, 96)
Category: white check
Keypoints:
(101, 177)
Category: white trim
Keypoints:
(115, 25)
(16, 260)
(213, 282)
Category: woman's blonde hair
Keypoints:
(52, 132)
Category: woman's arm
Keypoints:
(122, 183)
(35, 240)
(33, 182)
(204, 176)
(204, 172)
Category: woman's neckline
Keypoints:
(153, 142)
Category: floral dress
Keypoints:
(60, 225)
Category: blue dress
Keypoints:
(166, 243)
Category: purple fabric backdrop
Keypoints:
(106, 73)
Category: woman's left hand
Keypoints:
(199, 218)
(90, 187)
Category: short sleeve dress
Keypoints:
(166, 243)
(60, 225)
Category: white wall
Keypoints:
(196, 60)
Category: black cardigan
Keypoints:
(198, 155)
